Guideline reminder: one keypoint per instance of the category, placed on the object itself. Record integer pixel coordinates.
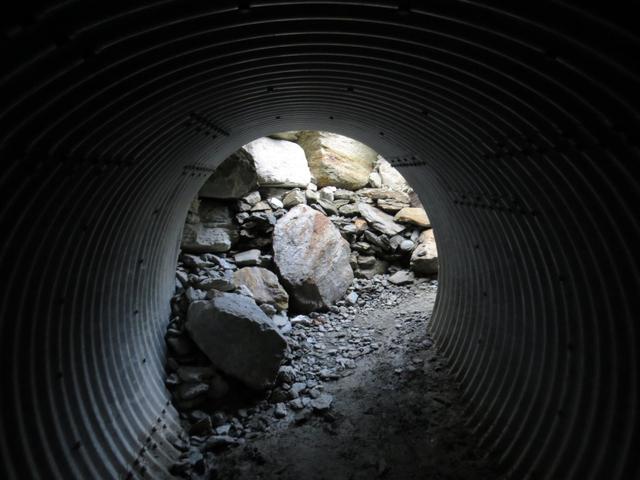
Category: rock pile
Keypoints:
(321, 347)
(268, 246)
(369, 202)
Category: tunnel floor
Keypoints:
(394, 413)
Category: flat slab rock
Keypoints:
(238, 338)
(379, 220)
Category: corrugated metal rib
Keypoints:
(516, 123)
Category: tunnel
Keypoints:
(516, 122)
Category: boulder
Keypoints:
(391, 178)
(264, 286)
(336, 160)
(238, 338)
(279, 163)
(424, 259)
(415, 216)
(235, 176)
(379, 220)
(312, 258)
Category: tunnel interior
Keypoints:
(516, 124)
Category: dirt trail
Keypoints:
(396, 415)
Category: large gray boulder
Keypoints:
(312, 258)
(235, 177)
(279, 163)
(263, 285)
(238, 338)
(424, 259)
(379, 220)
(212, 229)
(337, 161)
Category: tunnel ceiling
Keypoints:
(516, 122)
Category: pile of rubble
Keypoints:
(220, 412)
(269, 255)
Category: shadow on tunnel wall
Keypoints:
(517, 124)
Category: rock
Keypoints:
(286, 375)
(391, 178)
(189, 391)
(407, 246)
(181, 345)
(379, 220)
(415, 216)
(370, 267)
(218, 281)
(280, 410)
(328, 206)
(293, 198)
(291, 135)
(195, 374)
(312, 258)
(337, 161)
(326, 193)
(238, 338)
(216, 231)
(200, 239)
(202, 427)
(322, 403)
(275, 203)
(247, 258)
(220, 442)
(352, 298)
(279, 163)
(312, 196)
(401, 277)
(360, 224)
(233, 178)
(282, 322)
(391, 205)
(349, 210)
(261, 206)
(424, 259)
(268, 309)
(264, 286)
(384, 194)
(395, 242)
(342, 194)
(375, 180)
(252, 198)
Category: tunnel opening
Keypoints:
(312, 238)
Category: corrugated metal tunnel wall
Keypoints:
(517, 123)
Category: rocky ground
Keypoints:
(361, 393)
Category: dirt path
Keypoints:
(394, 416)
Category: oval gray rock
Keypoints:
(312, 258)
